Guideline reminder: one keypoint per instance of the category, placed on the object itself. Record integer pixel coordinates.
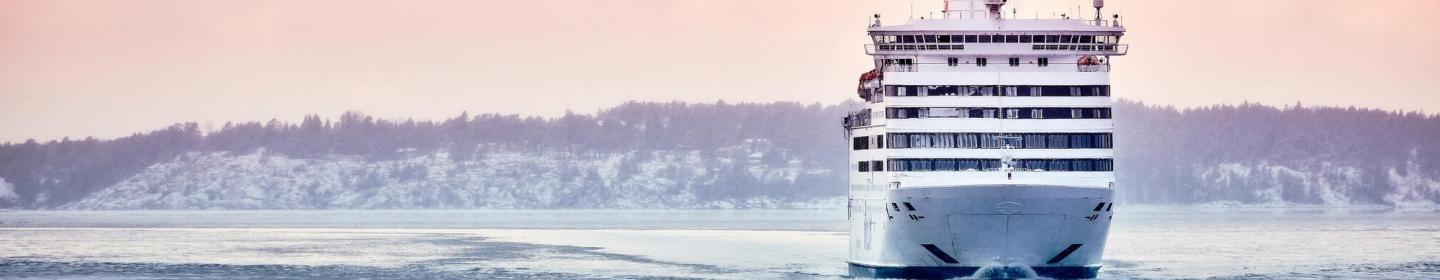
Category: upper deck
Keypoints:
(979, 28)
(998, 36)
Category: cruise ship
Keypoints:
(985, 146)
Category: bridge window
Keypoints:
(980, 61)
(1043, 61)
(953, 61)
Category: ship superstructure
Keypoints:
(985, 146)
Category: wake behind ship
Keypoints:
(985, 148)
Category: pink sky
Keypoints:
(111, 68)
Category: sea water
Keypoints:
(1145, 243)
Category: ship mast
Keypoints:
(971, 9)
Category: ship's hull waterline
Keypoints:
(990, 231)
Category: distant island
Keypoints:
(680, 155)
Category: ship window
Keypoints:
(1043, 61)
(861, 143)
(877, 166)
(1066, 38)
(953, 61)
(864, 166)
(1052, 38)
(929, 38)
(1012, 39)
(1087, 39)
(987, 91)
(1014, 61)
(971, 39)
(997, 38)
(942, 39)
(879, 141)
(1025, 38)
(979, 61)
(984, 39)
(988, 140)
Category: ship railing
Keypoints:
(1109, 49)
(1079, 48)
(970, 66)
(1093, 67)
(872, 49)
(899, 68)
(857, 119)
(1103, 22)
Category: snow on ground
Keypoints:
(496, 179)
(7, 193)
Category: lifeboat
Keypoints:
(873, 74)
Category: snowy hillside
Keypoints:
(679, 155)
(498, 179)
(1326, 184)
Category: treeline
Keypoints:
(1247, 153)
(1256, 153)
(57, 172)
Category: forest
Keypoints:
(1246, 153)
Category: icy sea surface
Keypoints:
(1147, 243)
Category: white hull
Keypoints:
(1055, 231)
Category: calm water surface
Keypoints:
(1147, 243)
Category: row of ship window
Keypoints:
(1037, 47)
(997, 90)
(966, 164)
(995, 38)
(998, 113)
(986, 141)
